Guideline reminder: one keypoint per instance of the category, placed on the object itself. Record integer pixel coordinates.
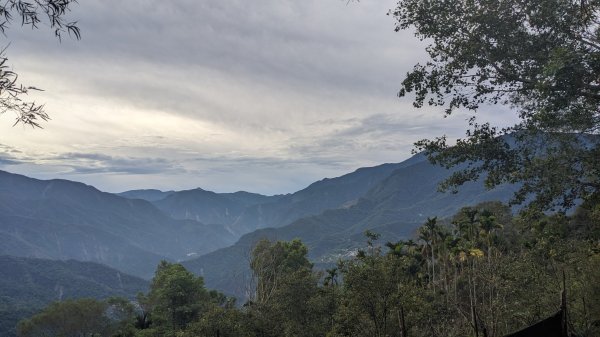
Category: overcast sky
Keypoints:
(265, 96)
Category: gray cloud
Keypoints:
(222, 94)
(88, 163)
(387, 136)
(93, 163)
(9, 156)
(167, 54)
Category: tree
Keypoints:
(176, 297)
(374, 291)
(542, 58)
(123, 313)
(50, 13)
(428, 233)
(287, 301)
(272, 261)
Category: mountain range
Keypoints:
(60, 219)
(393, 207)
(213, 233)
(244, 212)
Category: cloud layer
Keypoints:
(265, 96)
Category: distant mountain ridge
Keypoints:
(210, 207)
(60, 219)
(243, 212)
(329, 193)
(394, 207)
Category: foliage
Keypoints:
(222, 322)
(287, 301)
(272, 261)
(28, 285)
(83, 317)
(484, 272)
(375, 291)
(176, 296)
(540, 57)
(36, 13)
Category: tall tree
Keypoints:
(177, 297)
(541, 58)
(287, 301)
(272, 261)
(428, 233)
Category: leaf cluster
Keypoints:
(542, 59)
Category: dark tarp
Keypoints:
(550, 327)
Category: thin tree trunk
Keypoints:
(475, 325)
(403, 329)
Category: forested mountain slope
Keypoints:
(244, 212)
(394, 207)
(29, 284)
(314, 199)
(60, 219)
(210, 207)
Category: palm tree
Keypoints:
(465, 224)
(331, 282)
(396, 249)
(428, 234)
(488, 224)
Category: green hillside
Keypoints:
(394, 207)
(29, 284)
(59, 219)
